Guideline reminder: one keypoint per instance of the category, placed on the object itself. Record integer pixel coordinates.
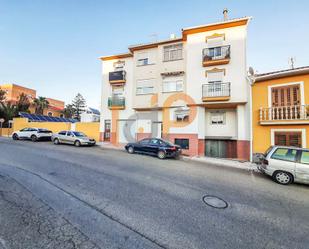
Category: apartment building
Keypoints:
(13, 91)
(280, 109)
(190, 90)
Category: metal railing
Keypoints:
(116, 102)
(279, 113)
(216, 90)
(117, 76)
(216, 53)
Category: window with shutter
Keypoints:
(286, 96)
(288, 139)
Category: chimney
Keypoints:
(225, 17)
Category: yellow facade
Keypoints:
(92, 130)
(261, 138)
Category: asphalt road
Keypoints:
(116, 200)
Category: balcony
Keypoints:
(297, 114)
(216, 91)
(117, 77)
(216, 56)
(116, 103)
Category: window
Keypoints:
(288, 139)
(49, 114)
(172, 85)
(182, 114)
(285, 154)
(172, 52)
(142, 62)
(144, 141)
(154, 142)
(117, 91)
(144, 59)
(217, 118)
(215, 52)
(119, 65)
(145, 86)
(62, 133)
(182, 142)
(61, 116)
(69, 133)
(304, 157)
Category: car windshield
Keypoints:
(79, 134)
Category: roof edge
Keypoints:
(282, 74)
(116, 56)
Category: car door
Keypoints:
(302, 167)
(141, 146)
(23, 133)
(70, 137)
(153, 146)
(283, 159)
(61, 136)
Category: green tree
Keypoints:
(8, 112)
(40, 103)
(68, 111)
(79, 105)
(2, 95)
(23, 103)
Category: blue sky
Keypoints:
(53, 46)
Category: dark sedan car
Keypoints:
(154, 146)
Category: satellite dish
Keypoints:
(251, 71)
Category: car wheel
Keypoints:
(34, 138)
(77, 143)
(15, 136)
(283, 177)
(131, 149)
(161, 154)
(56, 141)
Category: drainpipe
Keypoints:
(251, 81)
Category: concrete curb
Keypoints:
(223, 163)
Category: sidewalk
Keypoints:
(206, 160)
(221, 162)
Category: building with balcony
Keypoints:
(280, 109)
(191, 90)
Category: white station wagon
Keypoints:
(286, 164)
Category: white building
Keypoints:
(90, 115)
(190, 90)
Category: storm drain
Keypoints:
(214, 201)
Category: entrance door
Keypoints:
(156, 129)
(107, 130)
(216, 148)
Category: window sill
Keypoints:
(173, 91)
(138, 94)
(172, 60)
(145, 65)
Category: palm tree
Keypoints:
(40, 104)
(68, 111)
(8, 111)
(23, 103)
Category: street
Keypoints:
(101, 198)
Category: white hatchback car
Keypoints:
(34, 134)
(286, 164)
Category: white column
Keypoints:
(200, 115)
(242, 123)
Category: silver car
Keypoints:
(72, 137)
(286, 164)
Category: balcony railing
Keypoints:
(285, 114)
(216, 91)
(116, 103)
(117, 77)
(216, 56)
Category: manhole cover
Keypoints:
(214, 201)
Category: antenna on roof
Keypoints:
(225, 16)
(292, 62)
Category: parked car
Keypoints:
(34, 134)
(72, 137)
(154, 146)
(286, 164)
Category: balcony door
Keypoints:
(286, 102)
